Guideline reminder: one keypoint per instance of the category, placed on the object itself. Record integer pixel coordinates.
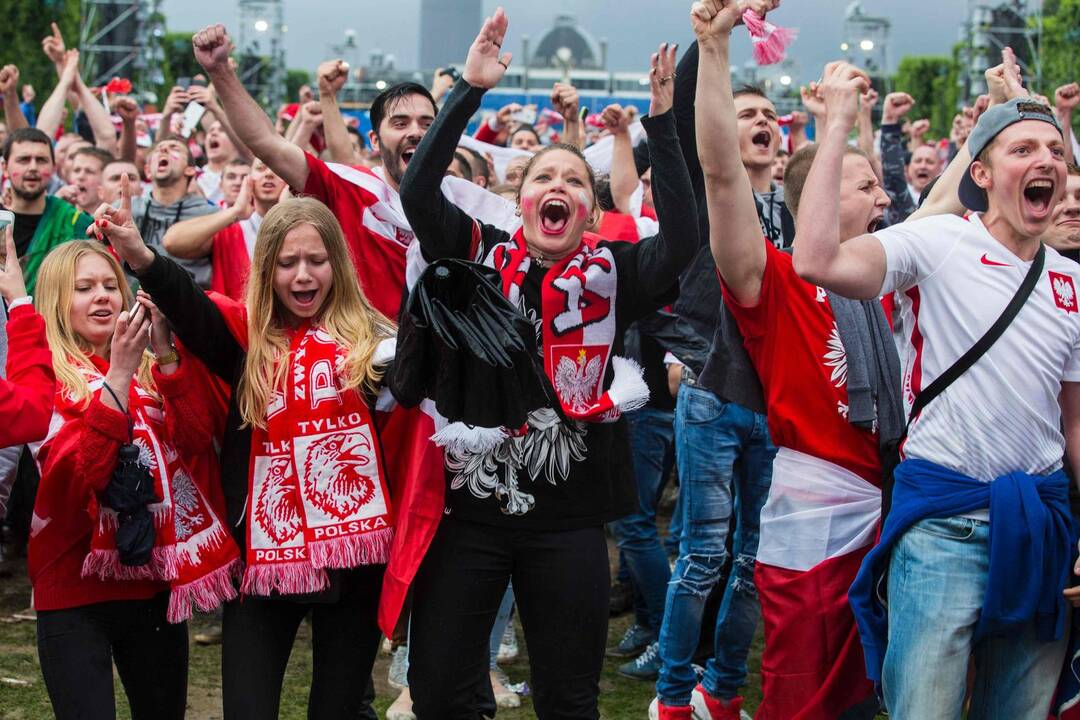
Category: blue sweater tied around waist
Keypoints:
(1032, 537)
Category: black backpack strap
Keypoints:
(991, 336)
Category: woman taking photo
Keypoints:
(532, 508)
(302, 469)
(120, 411)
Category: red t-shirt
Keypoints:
(793, 342)
(231, 262)
(370, 214)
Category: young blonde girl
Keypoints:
(95, 605)
(302, 470)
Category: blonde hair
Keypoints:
(346, 314)
(70, 351)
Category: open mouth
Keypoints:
(163, 164)
(874, 224)
(304, 298)
(406, 155)
(101, 315)
(762, 139)
(213, 145)
(1039, 195)
(554, 216)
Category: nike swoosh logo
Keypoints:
(987, 261)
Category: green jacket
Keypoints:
(59, 223)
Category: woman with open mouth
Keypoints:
(301, 461)
(531, 508)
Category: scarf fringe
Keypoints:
(164, 565)
(205, 594)
(460, 439)
(628, 390)
(349, 551)
(770, 42)
(288, 578)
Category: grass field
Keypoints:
(620, 698)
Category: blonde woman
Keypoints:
(95, 604)
(302, 469)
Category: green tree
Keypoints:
(179, 59)
(932, 81)
(293, 80)
(1059, 50)
(25, 23)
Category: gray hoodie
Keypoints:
(153, 219)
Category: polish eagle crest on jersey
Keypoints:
(1064, 291)
(577, 380)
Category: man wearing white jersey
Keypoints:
(979, 531)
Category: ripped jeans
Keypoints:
(724, 456)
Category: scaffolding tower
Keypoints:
(122, 38)
(993, 26)
(261, 50)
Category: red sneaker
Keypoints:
(660, 711)
(721, 709)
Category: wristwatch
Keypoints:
(168, 358)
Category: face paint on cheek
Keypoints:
(584, 206)
(528, 204)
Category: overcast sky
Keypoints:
(633, 27)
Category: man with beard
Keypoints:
(1064, 232)
(86, 167)
(228, 236)
(41, 222)
(170, 168)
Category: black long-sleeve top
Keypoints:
(557, 476)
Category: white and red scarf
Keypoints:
(578, 332)
(193, 550)
(317, 495)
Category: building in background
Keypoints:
(447, 29)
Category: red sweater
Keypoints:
(27, 393)
(76, 462)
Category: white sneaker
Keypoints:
(504, 696)
(401, 708)
(398, 675)
(387, 647)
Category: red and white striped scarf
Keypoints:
(193, 550)
(317, 494)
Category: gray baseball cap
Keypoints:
(992, 122)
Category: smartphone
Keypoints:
(192, 115)
(7, 219)
(198, 82)
(452, 72)
(183, 83)
(525, 115)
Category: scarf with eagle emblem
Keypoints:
(317, 495)
(578, 309)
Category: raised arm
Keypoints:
(565, 101)
(254, 128)
(52, 111)
(331, 77)
(194, 238)
(1066, 98)
(129, 112)
(662, 257)
(867, 101)
(623, 175)
(854, 268)
(98, 117)
(734, 230)
(9, 87)
(207, 97)
(442, 228)
(893, 179)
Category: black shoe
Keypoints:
(622, 598)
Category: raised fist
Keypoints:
(212, 46)
(713, 20)
(9, 79)
(1067, 97)
(616, 119)
(919, 128)
(564, 100)
(841, 85)
(897, 105)
(127, 109)
(332, 75)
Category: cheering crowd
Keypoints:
(406, 385)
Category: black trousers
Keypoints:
(258, 635)
(78, 646)
(561, 586)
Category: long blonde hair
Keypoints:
(346, 314)
(70, 351)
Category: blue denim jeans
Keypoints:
(937, 581)
(724, 456)
(652, 438)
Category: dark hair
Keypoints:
(104, 156)
(523, 127)
(1072, 169)
(464, 166)
(749, 89)
(603, 193)
(480, 166)
(573, 150)
(25, 135)
(239, 160)
(393, 94)
(797, 170)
